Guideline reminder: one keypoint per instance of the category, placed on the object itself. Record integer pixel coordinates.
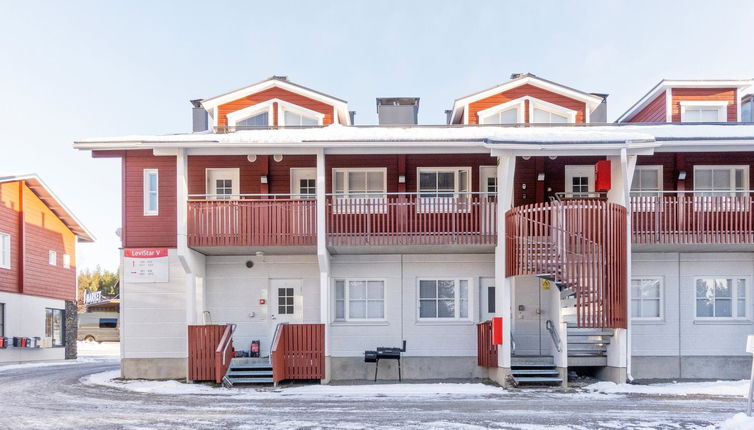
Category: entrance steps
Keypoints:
(248, 371)
(535, 371)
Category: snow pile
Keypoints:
(738, 422)
(322, 392)
(93, 352)
(716, 388)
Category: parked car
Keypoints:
(99, 327)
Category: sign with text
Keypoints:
(146, 265)
(92, 297)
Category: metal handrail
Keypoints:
(720, 192)
(231, 197)
(553, 335)
(225, 342)
(276, 337)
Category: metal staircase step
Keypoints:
(532, 366)
(259, 366)
(250, 380)
(537, 380)
(242, 373)
(517, 372)
(576, 340)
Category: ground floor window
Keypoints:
(359, 299)
(721, 298)
(443, 299)
(54, 326)
(646, 298)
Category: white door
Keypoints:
(579, 181)
(529, 317)
(486, 299)
(223, 183)
(287, 301)
(488, 188)
(303, 183)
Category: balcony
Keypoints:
(411, 219)
(269, 220)
(692, 218)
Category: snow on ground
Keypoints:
(350, 392)
(93, 352)
(7, 367)
(716, 388)
(738, 422)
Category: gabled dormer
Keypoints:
(528, 99)
(274, 102)
(689, 101)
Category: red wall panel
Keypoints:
(698, 94)
(653, 112)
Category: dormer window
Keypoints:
(511, 112)
(704, 111)
(291, 118)
(542, 116)
(258, 120)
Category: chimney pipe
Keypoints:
(398, 110)
(352, 115)
(199, 116)
(448, 116)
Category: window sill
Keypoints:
(648, 321)
(444, 323)
(723, 322)
(359, 323)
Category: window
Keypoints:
(359, 183)
(721, 298)
(258, 120)
(359, 299)
(703, 111)
(2, 319)
(579, 181)
(443, 182)
(542, 116)
(720, 179)
(646, 298)
(444, 299)
(4, 251)
(507, 116)
(491, 300)
(298, 119)
(307, 188)
(66, 261)
(150, 192)
(54, 324)
(647, 180)
(108, 322)
(285, 301)
(53, 258)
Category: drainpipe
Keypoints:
(626, 193)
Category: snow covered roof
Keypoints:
(682, 83)
(35, 184)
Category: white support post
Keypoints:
(181, 174)
(323, 257)
(505, 170)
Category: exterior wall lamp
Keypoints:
(682, 175)
(401, 179)
(540, 177)
(263, 179)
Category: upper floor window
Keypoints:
(53, 258)
(292, 118)
(721, 298)
(508, 116)
(647, 180)
(4, 251)
(719, 180)
(360, 183)
(542, 116)
(443, 182)
(150, 192)
(66, 261)
(258, 120)
(704, 111)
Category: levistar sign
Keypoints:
(146, 265)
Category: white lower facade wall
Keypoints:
(153, 326)
(25, 317)
(680, 345)
(233, 294)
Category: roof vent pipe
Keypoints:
(448, 115)
(398, 110)
(199, 116)
(352, 114)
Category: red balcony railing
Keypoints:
(486, 355)
(677, 217)
(399, 219)
(258, 220)
(204, 342)
(581, 244)
(298, 352)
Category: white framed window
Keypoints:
(359, 299)
(542, 112)
(294, 118)
(579, 181)
(258, 115)
(704, 111)
(360, 183)
(443, 299)
(303, 183)
(55, 326)
(647, 180)
(511, 112)
(442, 189)
(647, 298)
(721, 298)
(53, 258)
(261, 119)
(66, 261)
(223, 183)
(718, 180)
(151, 192)
(4, 251)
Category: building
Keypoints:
(38, 237)
(526, 206)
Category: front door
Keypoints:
(287, 301)
(529, 317)
(488, 190)
(303, 183)
(579, 181)
(486, 299)
(223, 184)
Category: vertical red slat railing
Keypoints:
(486, 351)
(203, 342)
(298, 352)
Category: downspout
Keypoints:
(626, 194)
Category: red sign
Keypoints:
(145, 252)
(497, 330)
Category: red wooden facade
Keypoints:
(655, 111)
(275, 93)
(582, 245)
(298, 352)
(34, 231)
(486, 350)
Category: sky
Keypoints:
(79, 69)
